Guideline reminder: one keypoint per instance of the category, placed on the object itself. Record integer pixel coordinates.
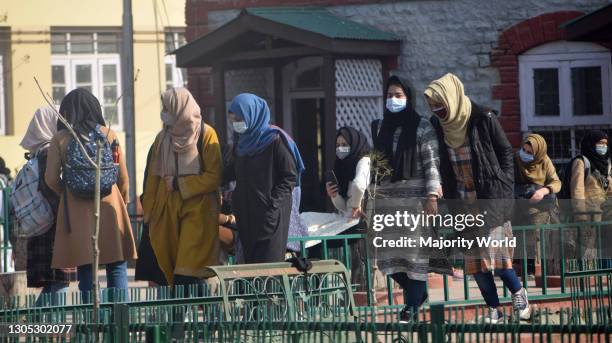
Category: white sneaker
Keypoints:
(520, 304)
(493, 316)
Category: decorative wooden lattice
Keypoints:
(259, 81)
(359, 93)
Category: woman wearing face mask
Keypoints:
(590, 187)
(268, 167)
(408, 143)
(181, 199)
(476, 163)
(352, 169)
(536, 183)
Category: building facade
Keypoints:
(512, 55)
(70, 44)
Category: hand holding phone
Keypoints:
(331, 184)
(330, 177)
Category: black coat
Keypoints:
(262, 202)
(492, 164)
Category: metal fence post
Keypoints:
(437, 323)
(121, 323)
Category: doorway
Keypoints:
(307, 131)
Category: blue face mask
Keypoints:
(601, 149)
(395, 105)
(525, 157)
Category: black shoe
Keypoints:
(407, 315)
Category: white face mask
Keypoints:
(601, 149)
(343, 151)
(239, 126)
(395, 105)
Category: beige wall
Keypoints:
(30, 22)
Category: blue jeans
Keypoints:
(487, 284)
(116, 279)
(51, 293)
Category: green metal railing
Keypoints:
(341, 251)
(162, 320)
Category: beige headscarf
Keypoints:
(177, 152)
(534, 172)
(448, 90)
(41, 129)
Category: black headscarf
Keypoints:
(3, 169)
(345, 168)
(409, 120)
(587, 148)
(82, 110)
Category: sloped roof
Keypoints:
(321, 21)
(290, 31)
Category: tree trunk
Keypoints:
(94, 240)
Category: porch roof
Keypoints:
(593, 26)
(272, 33)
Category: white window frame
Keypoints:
(2, 103)
(96, 60)
(177, 76)
(70, 63)
(563, 61)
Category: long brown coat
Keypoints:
(74, 248)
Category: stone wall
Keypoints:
(455, 36)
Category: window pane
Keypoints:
(181, 39)
(110, 114)
(586, 90)
(57, 74)
(169, 78)
(109, 73)
(184, 75)
(58, 94)
(81, 43)
(58, 43)
(559, 143)
(108, 43)
(83, 73)
(169, 39)
(546, 89)
(110, 95)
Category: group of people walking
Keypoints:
(461, 152)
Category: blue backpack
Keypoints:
(79, 175)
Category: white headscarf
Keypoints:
(41, 129)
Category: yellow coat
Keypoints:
(183, 224)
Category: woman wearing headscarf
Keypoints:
(181, 200)
(268, 168)
(40, 248)
(536, 183)
(75, 219)
(408, 143)
(352, 170)
(476, 164)
(590, 187)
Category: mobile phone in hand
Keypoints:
(331, 177)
